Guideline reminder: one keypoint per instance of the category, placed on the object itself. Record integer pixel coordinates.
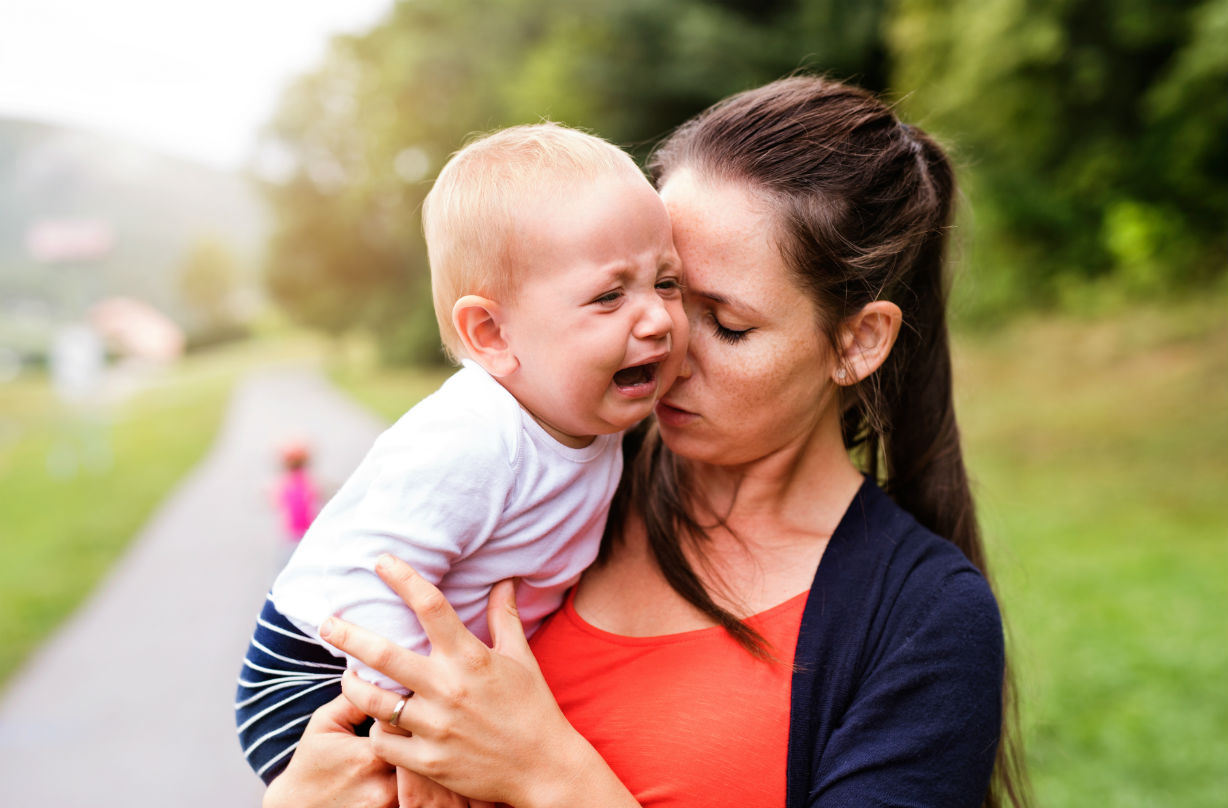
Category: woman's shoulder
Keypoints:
(898, 628)
(877, 538)
(885, 571)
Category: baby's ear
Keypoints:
(479, 322)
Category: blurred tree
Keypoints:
(633, 70)
(208, 284)
(368, 131)
(1092, 134)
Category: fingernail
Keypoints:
(326, 628)
(384, 562)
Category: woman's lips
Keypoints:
(669, 415)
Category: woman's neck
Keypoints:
(802, 488)
(778, 514)
(766, 524)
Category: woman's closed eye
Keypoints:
(731, 335)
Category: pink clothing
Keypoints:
(297, 497)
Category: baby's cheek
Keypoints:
(680, 332)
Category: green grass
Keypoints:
(388, 392)
(1100, 453)
(74, 492)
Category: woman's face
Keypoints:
(760, 368)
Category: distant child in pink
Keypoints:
(296, 493)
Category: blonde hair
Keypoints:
(470, 217)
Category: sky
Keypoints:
(193, 80)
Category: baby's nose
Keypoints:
(654, 321)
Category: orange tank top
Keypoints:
(687, 719)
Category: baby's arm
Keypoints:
(427, 493)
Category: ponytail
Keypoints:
(907, 415)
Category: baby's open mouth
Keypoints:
(633, 376)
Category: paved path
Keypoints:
(129, 704)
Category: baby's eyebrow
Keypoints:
(669, 260)
(626, 271)
(617, 272)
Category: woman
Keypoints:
(766, 626)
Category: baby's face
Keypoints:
(597, 324)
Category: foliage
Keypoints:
(367, 132)
(1092, 134)
(208, 283)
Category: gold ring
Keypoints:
(396, 711)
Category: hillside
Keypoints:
(152, 209)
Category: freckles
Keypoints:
(748, 376)
(769, 374)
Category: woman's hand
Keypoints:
(416, 791)
(482, 721)
(332, 766)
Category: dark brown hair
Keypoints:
(864, 205)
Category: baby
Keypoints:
(556, 284)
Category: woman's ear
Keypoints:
(866, 339)
(479, 322)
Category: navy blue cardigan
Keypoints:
(896, 697)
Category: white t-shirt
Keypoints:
(469, 490)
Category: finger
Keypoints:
(401, 664)
(397, 750)
(417, 791)
(339, 715)
(438, 619)
(399, 729)
(372, 700)
(506, 630)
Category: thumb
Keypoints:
(338, 715)
(506, 630)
